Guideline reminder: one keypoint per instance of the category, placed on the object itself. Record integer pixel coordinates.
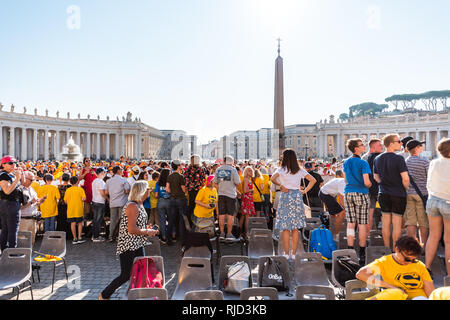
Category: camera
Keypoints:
(212, 205)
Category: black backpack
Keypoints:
(345, 269)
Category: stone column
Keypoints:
(136, 146)
(57, 144)
(438, 136)
(107, 152)
(97, 147)
(428, 141)
(116, 147)
(46, 144)
(23, 153)
(12, 142)
(35, 144)
(88, 144)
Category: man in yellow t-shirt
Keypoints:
(404, 276)
(74, 198)
(49, 208)
(258, 187)
(154, 216)
(206, 200)
(266, 192)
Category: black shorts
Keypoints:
(226, 205)
(392, 204)
(258, 206)
(332, 205)
(77, 220)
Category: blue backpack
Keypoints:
(322, 241)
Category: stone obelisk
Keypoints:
(278, 119)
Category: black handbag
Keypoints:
(272, 276)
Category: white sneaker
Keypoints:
(287, 256)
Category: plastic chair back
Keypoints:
(314, 293)
(148, 294)
(153, 248)
(358, 290)
(225, 262)
(194, 274)
(260, 243)
(373, 253)
(204, 295)
(262, 293)
(54, 243)
(342, 242)
(24, 239)
(159, 261)
(257, 223)
(310, 270)
(376, 238)
(15, 267)
(447, 281)
(284, 268)
(343, 252)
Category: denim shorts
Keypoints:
(437, 207)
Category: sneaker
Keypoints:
(75, 241)
(99, 239)
(287, 256)
(163, 240)
(230, 237)
(81, 240)
(222, 236)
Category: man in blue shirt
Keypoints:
(356, 196)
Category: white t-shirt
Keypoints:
(131, 180)
(97, 185)
(291, 181)
(334, 187)
(438, 183)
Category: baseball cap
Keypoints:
(405, 140)
(308, 165)
(136, 168)
(100, 170)
(209, 180)
(229, 159)
(7, 159)
(414, 143)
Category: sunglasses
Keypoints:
(11, 163)
(415, 260)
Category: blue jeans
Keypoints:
(99, 212)
(49, 224)
(178, 209)
(163, 211)
(10, 217)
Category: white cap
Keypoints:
(229, 159)
(136, 168)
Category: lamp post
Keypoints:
(306, 147)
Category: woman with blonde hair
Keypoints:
(258, 187)
(133, 233)
(247, 204)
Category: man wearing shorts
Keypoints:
(328, 194)
(356, 174)
(227, 180)
(391, 173)
(376, 148)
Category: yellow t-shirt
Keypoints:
(408, 277)
(35, 185)
(153, 200)
(256, 194)
(74, 197)
(266, 181)
(205, 195)
(49, 208)
(239, 188)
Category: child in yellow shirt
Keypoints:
(49, 207)
(74, 198)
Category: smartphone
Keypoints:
(155, 227)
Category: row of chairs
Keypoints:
(17, 266)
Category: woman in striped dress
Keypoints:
(133, 233)
(290, 211)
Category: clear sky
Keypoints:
(207, 66)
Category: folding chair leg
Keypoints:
(53, 279)
(31, 289)
(18, 292)
(65, 268)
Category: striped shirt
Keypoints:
(418, 170)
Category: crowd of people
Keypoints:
(170, 198)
